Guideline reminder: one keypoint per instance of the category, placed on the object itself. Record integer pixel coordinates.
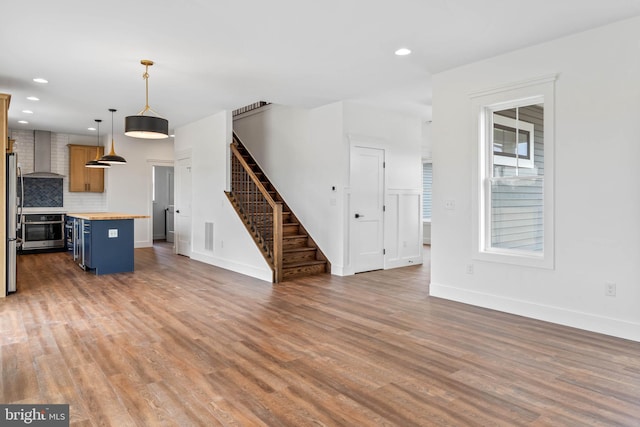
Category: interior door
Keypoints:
(367, 204)
(182, 212)
(170, 207)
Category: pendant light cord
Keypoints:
(113, 151)
(98, 141)
(147, 63)
(145, 76)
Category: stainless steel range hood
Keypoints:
(42, 156)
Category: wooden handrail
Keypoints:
(253, 176)
(268, 236)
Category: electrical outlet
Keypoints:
(610, 289)
(450, 204)
(469, 269)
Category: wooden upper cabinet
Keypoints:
(81, 178)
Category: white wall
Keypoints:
(305, 154)
(208, 142)
(129, 187)
(597, 202)
(400, 135)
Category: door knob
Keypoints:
(178, 211)
(359, 216)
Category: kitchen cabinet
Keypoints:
(103, 242)
(81, 178)
(108, 245)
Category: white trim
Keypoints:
(249, 113)
(553, 314)
(534, 81)
(397, 193)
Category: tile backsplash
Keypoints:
(42, 192)
(71, 201)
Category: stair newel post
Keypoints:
(277, 242)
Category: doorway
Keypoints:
(163, 200)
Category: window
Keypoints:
(427, 180)
(506, 150)
(513, 217)
(515, 193)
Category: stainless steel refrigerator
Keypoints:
(13, 202)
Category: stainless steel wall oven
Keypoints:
(42, 231)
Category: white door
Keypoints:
(182, 210)
(367, 204)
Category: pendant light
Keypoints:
(96, 163)
(112, 158)
(147, 127)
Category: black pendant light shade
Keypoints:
(112, 158)
(146, 127)
(96, 163)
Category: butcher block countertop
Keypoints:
(102, 216)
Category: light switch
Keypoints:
(113, 233)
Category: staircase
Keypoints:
(282, 240)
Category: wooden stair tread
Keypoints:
(302, 249)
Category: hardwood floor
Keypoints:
(181, 343)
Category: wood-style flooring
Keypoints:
(181, 343)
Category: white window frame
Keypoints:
(484, 103)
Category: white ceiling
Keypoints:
(215, 55)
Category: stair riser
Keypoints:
(290, 230)
(303, 271)
(299, 257)
(299, 242)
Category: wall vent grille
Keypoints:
(208, 236)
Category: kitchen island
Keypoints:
(103, 242)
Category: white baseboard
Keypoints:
(589, 322)
(248, 270)
(402, 262)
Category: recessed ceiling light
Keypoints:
(27, 111)
(91, 128)
(33, 98)
(23, 122)
(40, 80)
(403, 51)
